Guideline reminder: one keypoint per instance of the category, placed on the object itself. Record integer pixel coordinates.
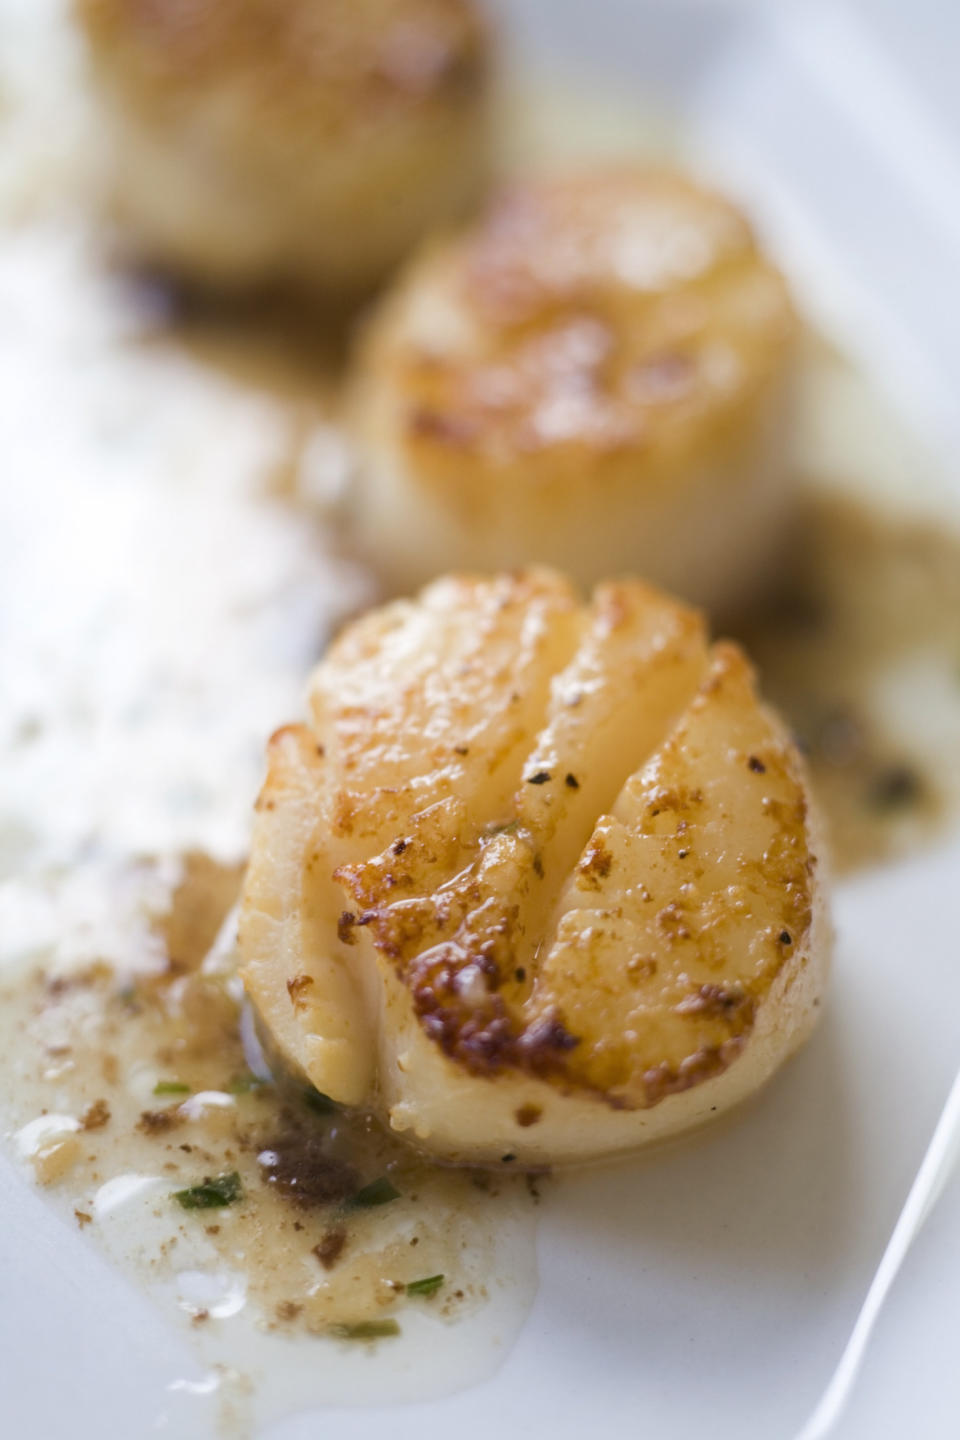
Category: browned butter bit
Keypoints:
(96, 1116)
(298, 1163)
(897, 786)
(159, 1122)
(331, 1247)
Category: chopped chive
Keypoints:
(378, 1192)
(171, 1087)
(429, 1285)
(319, 1103)
(243, 1084)
(211, 1194)
(366, 1330)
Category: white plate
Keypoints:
(710, 1290)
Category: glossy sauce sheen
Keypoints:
(140, 695)
(154, 1082)
(253, 1210)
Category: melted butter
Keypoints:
(861, 651)
(125, 1089)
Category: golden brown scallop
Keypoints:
(304, 141)
(537, 879)
(597, 376)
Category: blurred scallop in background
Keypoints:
(598, 375)
(302, 144)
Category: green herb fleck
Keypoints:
(171, 1087)
(366, 1330)
(429, 1285)
(211, 1194)
(319, 1103)
(243, 1084)
(378, 1192)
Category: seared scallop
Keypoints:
(596, 376)
(303, 141)
(538, 880)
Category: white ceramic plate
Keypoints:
(710, 1290)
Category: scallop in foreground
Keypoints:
(306, 142)
(596, 376)
(538, 880)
